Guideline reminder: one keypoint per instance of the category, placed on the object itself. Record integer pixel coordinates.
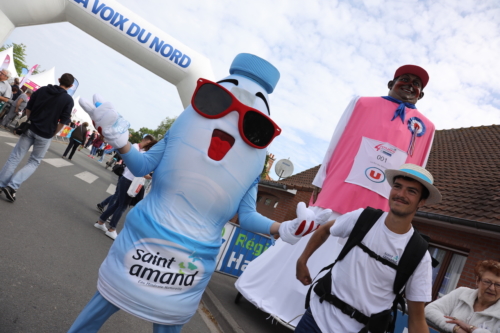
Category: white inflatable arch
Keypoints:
(120, 29)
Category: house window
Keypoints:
(267, 202)
(446, 275)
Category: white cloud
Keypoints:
(326, 52)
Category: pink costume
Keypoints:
(371, 118)
(364, 131)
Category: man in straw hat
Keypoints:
(363, 281)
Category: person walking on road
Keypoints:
(49, 109)
(121, 200)
(96, 144)
(16, 106)
(77, 138)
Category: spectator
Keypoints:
(16, 92)
(49, 109)
(121, 199)
(466, 310)
(108, 149)
(96, 144)
(77, 138)
(5, 88)
(16, 106)
(91, 138)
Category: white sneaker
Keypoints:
(100, 226)
(111, 234)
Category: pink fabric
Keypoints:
(371, 118)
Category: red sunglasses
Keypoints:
(213, 101)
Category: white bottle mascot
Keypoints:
(206, 170)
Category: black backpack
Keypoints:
(412, 255)
(118, 169)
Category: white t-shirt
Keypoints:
(127, 173)
(365, 283)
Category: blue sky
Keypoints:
(327, 52)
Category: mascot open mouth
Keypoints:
(219, 146)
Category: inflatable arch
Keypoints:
(120, 29)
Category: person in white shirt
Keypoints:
(362, 282)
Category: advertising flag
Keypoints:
(26, 77)
(5, 63)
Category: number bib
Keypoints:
(370, 163)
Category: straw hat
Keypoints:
(419, 174)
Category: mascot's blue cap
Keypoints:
(257, 69)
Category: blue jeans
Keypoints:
(98, 310)
(120, 203)
(307, 324)
(94, 150)
(40, 147)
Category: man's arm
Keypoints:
(4, 99)
(317, 239)
(416, 317)
(59, 126)
(19, 101)
(28, 112)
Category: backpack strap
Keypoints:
(412, 256)
(365, 222)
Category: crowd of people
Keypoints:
(382, 260)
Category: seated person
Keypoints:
(467, 310)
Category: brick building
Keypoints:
(464, 228)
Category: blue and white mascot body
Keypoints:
(206, 170)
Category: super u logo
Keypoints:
(375, 175)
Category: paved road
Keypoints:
(50, 251)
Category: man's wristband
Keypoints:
(472, 328)
(455, 328)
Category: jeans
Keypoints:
(98, 310)
(121, 202)
(307, 324)
(8, 118)
(40, 147)
(94, 150)
(73, 144)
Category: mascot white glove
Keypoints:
(108, 122)
(305, 223)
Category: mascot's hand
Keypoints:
(323, 216)
(108, 122)
(292, 231)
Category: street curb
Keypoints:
(221, 315)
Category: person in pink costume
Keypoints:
(373, 134)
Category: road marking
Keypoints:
(111, 189)
(7, 135)
(87, 177)
(14, 144)
(57, 162)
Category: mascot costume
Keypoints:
(206, 170)
(373, 134)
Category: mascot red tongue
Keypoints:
(220, 144)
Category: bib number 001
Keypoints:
(381, 158)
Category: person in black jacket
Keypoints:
(77, 138)
(49, 109)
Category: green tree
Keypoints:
(20, 57)
(158, 133)
(265, 171)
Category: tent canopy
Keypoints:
(11, 68)
(45, 78)
(80, 114)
